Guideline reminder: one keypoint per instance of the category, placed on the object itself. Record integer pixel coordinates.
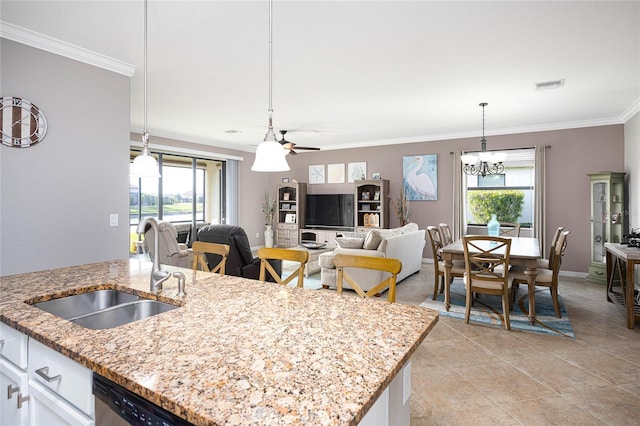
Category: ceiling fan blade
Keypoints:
(292, 152)
(308, 148)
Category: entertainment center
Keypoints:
(320, 218)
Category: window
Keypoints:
(510, 195)
(190, 190)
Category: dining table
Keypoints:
(525, 251)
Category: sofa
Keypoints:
(405, 243)
(240, 261)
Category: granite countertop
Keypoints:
(238, 351)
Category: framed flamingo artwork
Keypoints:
(420, 177)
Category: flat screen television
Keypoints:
(329, 211)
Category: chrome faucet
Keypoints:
(158, 276)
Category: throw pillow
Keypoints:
(345, 242)
(372, 240)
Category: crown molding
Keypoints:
(49, 44)
(167, 149)
(631, 111)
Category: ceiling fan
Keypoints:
(290, 145)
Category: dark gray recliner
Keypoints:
(240, 261)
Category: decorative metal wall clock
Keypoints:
(23, 123)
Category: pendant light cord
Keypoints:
(270, 65)
(145, 135)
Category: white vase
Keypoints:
(268, 237)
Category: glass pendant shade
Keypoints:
(144, 166)
(270, 157)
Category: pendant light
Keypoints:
(270, 154)
(485, 163)
(144, 165)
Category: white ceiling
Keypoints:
(358, 73)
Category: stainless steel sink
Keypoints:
(104, 308)
(123, 314)
(81, 304)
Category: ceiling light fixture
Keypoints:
(144, 165)
(485, 163)
(270, 155)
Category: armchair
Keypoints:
(240, 262)
(169, 250)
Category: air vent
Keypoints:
(545, 85)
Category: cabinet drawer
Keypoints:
(75, 382)
(13, 346)
(287, 226)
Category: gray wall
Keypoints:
(56, 196)
(632, 167)
(573, 154)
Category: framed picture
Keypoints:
(376, 176)
(420, 177)
(316, 173)
(290, 218)
(376, 196)
(615, 217)
(365, 207)
(285, 196)
(357, 171)
(365, 195)
(286, 206)
(335, 173)
(285, 180)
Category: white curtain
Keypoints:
(539, 215)
(458, 228)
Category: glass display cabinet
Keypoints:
(608, 219)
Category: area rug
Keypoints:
(488, 310)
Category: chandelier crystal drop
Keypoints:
(486, 163)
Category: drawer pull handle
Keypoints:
(11, 390)
(21, 399)
(44, 373)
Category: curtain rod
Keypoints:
(508, 149)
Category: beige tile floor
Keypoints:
(472, 374)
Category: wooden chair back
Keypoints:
(552, 247)
(558, 252)
(268, 253)
(392, 266)
(199, 248)
(487, 270)
(509, 229)
(445, 233)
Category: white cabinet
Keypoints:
(60, 388)
(320, 236)
(39, 386)
(14, 400)
(47, 408)
(14, 405)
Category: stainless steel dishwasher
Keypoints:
(116, 405)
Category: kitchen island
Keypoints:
(237, 351)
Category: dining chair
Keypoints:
(487, 271)
(268, 253)
(457, 270)
(508, 229)
(546, 277)
(390, 265)
(200, 249)
(445, 232)
(544, 263)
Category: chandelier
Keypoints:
(485, 163)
